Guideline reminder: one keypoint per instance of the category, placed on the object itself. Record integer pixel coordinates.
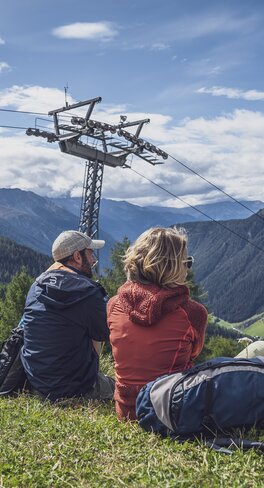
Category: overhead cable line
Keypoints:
(28, 112)
(215, 186)
(12, 127)
(197, 209)
(21, 111)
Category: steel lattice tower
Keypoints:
(91, 198)
(100, 144)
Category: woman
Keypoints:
(155, 328)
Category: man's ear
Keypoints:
(77, 257)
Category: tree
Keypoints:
(14, 256)
(216, 346)
(12, 305)
(114, 277)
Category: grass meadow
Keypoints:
(81, 444)
(253, 326)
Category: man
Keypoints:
(64, 323)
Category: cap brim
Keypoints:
(96, 244)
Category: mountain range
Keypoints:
(35, 221)
(227, 266)
(120, 218)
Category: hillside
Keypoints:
(229, 268)
(13, 257)
(35, 221)
(32, 220)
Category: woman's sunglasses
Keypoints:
(189, 261)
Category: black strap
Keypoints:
(227, 445)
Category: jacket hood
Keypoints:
(145, 304)
(61, 288)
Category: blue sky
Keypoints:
(194, 67)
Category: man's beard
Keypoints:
(86, 268)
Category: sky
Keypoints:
(195, 68)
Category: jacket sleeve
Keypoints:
(110, 307)
(198, 318)
(97, 325)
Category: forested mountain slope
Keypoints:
(230, 268)
(13, 257)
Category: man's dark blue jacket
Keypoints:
(64, 311)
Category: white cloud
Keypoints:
(103, 31)
(217, 91)
(2, 41)
(33, 98)
(37, 166)
(4, 67)
(159, 46)
(227, 150)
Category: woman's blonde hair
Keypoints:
(158, 256)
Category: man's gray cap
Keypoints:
(73, 240)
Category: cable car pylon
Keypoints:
(100, 144)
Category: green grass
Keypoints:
(256, 329)
(253, 326)
(224, 323)
(81, 444)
